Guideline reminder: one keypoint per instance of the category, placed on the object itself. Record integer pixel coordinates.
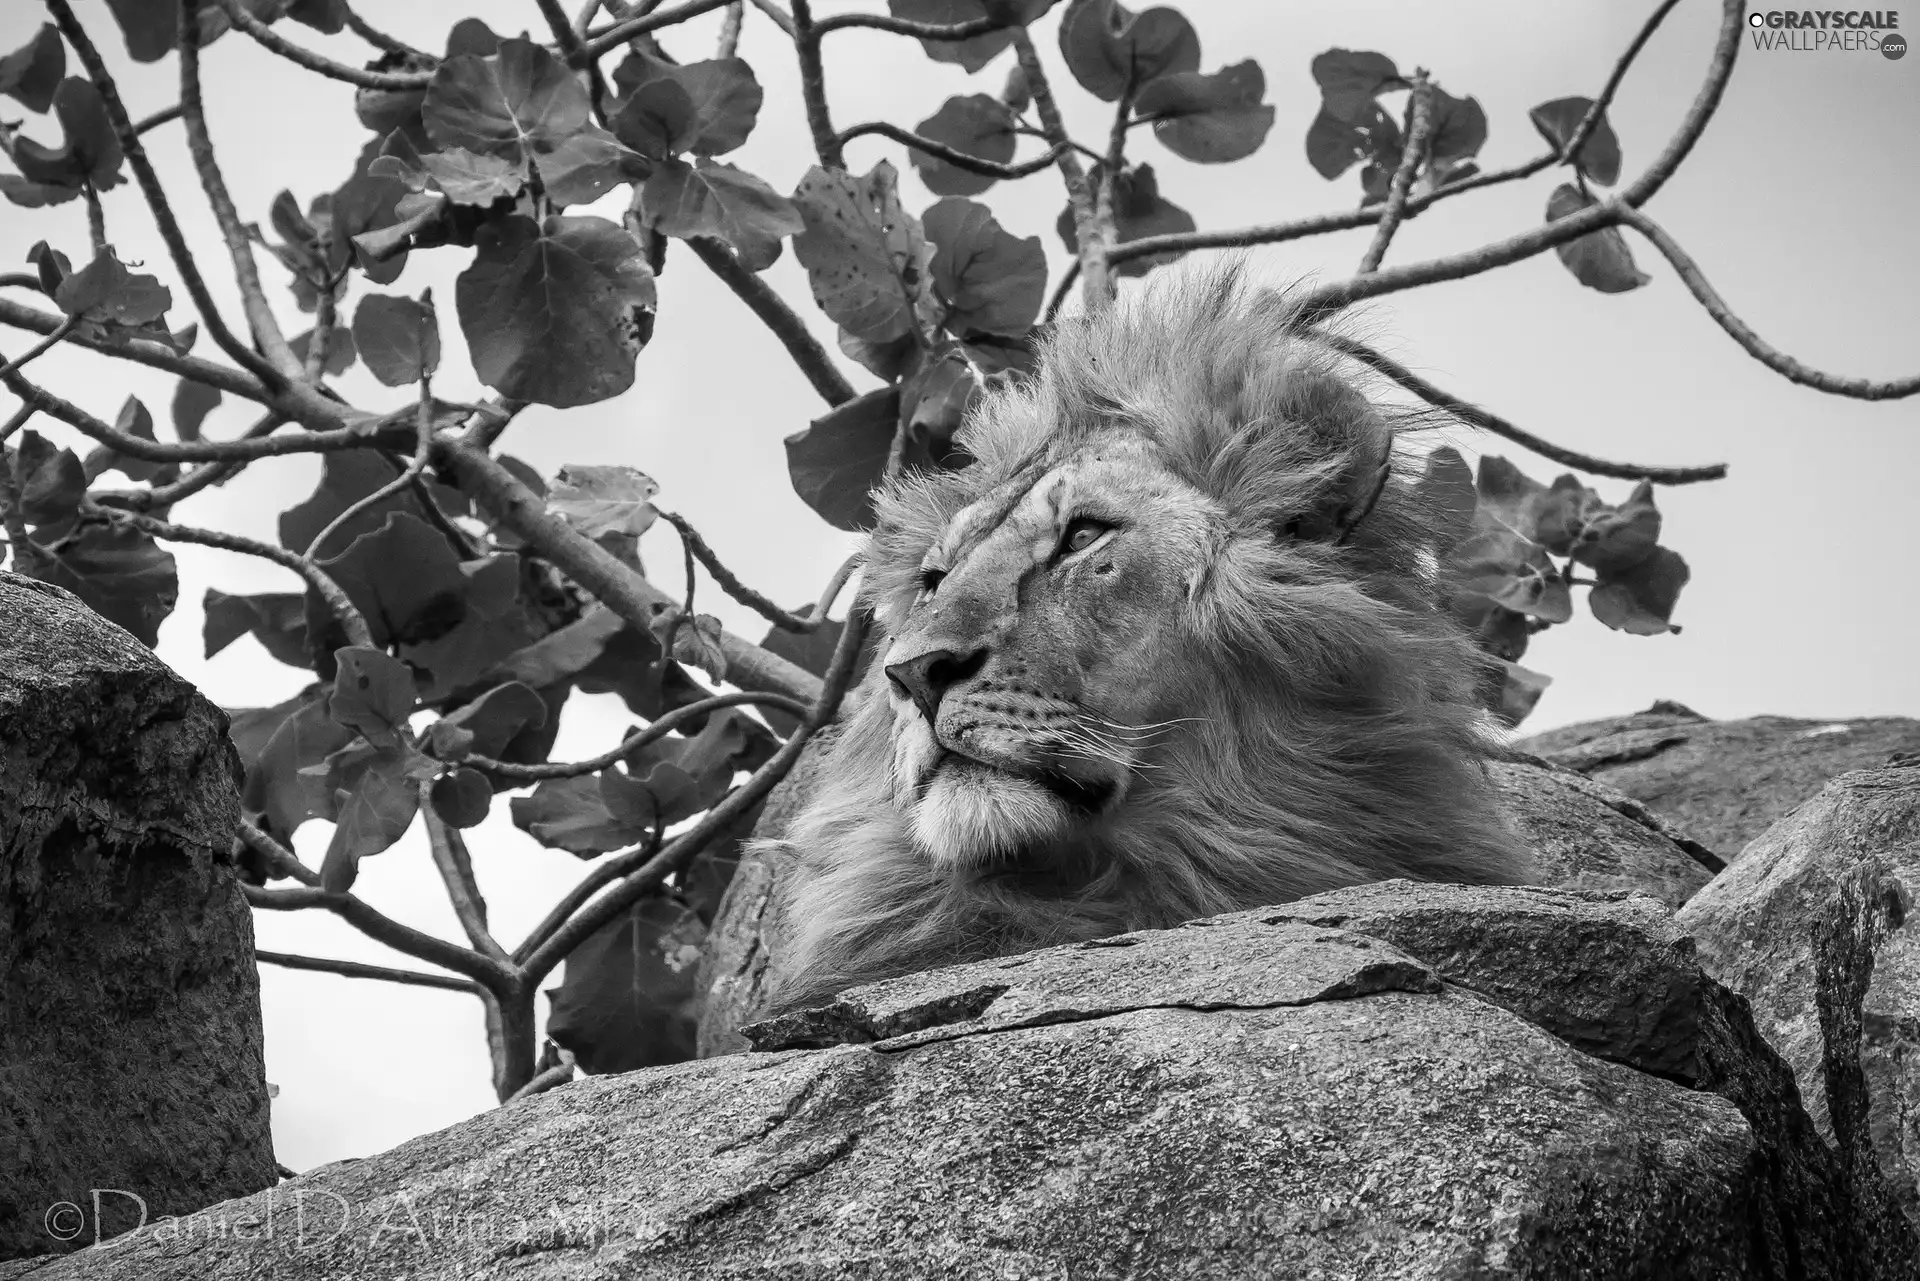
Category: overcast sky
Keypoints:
(1798, 204)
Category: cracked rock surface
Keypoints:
(130, 1041)
(1399, 1081)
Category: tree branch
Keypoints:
(381, 928)
(813, 87)
(456, 870)
(761, 605)
(947, 31)
(282, 860)
(662, 726)
(246, 273)
(60, 331)
(1591, 120)
(581, 925)
(1705, 103)
(619, 33)
(780, 17)
(156, 196)
(958, 159)
(1761, 350)
(813, 359)
(268, 38)
(141, 352)
(356, 970)
(1079, 192)
(1474, 416)
(166, 115)
(598, 571)
(1418, 130)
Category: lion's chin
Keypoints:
(970, 814)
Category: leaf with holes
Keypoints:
(405, 578)
(1110, 49)
(1600, 259)
(604, 500)
(1335, 145)
(373, 693)
(398, 338)
(1640, 599)
(555, 312)
(1599, 157)
(992, 281)
(866, 258)
(841, 455)
(713, 199)
(31, 73)
(978, 51)
(276, 619)
(1211, 119)
(976, 124)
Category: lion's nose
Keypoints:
(925, 677)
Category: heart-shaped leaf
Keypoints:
(713, 199)
(399, 338)
(1211, 118)
(865, 256)
(992, 281)
(373, 693)
(31, 73)
(1111, 50)
(835, 463)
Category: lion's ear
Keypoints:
(1346, 446)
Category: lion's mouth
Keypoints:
(1087, 795)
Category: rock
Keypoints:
(1811, 924)
(1722, 782)
(1585, 836)
(1262, 1095)
(130, 1042)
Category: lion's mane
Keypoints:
(1330, 733)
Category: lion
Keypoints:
(1170, 646)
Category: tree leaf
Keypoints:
(1640, 598)
(1109, 48)
(497, 622)
(374, 694)
(373, 795)
(120, 573)
(192, 402)
(555, 312)
(866, 258)
(978, 52)
(1519, 691)
(1445, 491)
(933, 402)
(133, 420)
(713, 113)
(1459, 128)
(841, 455)
(979, 125)
(814, 651)
(276, 619)
(404, 578)
(470, 179)
(397, 337)
(340, 349)
(658, 120)
(150, 26)
(1350, 81)
(1210, 119)
(462, 797)
(31, 73)
(604, 500)
(496, 717)
(1512, 572)
(1600, 259)
(713, 199)
(570, 814)
(513, 104)
(346, 477)
(1139, 212)
(277, 793)
(696, 642)
(1335, 145)
(1599, 157)
(105, 291)
(627, 997)
(89, 153)
(49, 480)
(1509, 498)
(993, 282)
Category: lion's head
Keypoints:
(1168, 647)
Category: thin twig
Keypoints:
(1060, 291)
(246, 272)
(320, 337)
(456, 871)
(358, 970)
(573, 47)
(1761, 350)
(666, 723)
(279, 858)
(1719, 71)
(1474, 416)
(166, 115)
(730, 583)
(550, 1079)
(156, 196)
(944, 31)
(381, 928)
(958, 159)
(728, 45)
(600, 43)
(18, 419)
(781, 18)
(374, 36)
(1591, 120)
(785, 323)
(583, 924)
(597, 571)
(1419, 128)
(96, 219)
(269, 39)
(1093, 258)
(201, 477)
(142, 351)
(813, 87)
(422, 452)
(33, 352)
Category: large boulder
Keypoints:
(130, 1044)
(1722, 782)
(1813, 925)
(1584, 835)
(1407, 1081)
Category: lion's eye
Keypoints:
(930, 580)
(1081, 534)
